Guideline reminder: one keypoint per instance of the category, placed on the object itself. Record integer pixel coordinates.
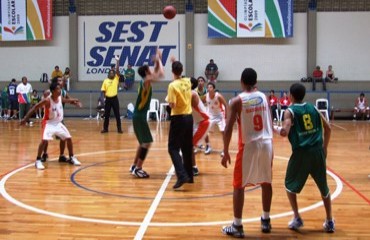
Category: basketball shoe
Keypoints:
(233, 230)
(62, 158)
(44, 157)
(329, 226)
(265, 225)
(295, 223)
(208, 150)
(195, 171)
(39, 165)
(73, 160)
(140, 173)
(132, 168)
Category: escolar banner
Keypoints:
(25, 20)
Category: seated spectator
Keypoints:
(330, 77)
(317, 76)
(56, 72)
(211, 71)
(273, 104)
(35, 99)
(129, 77)
(361, 108)
(67, 77)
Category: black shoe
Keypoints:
(180, 182)
(62, 158)
(265, 225)
(44, 157)
(120, 131)
(104, 131)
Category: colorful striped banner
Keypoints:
(26, 20)
(250, 18)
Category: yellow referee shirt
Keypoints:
(179, 93)
(110, 86)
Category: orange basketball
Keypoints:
(169, 12)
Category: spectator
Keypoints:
(317, 75)
(361, 108)
(330, 77)
(13, 99)
(24, 91)
(56, 72)
(273, 100)
(35, 99)
(110, 91)
(284, 102)
(211, 71)
(129, 77)
(66, 78)
(4, 103)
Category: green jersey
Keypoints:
(143, 99)
(307, 129)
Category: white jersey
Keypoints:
(200, 112)
(215, 108)
(54, 114)
(361, 104)
(255, 118)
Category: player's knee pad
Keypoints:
(143, 153)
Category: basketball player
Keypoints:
(141, 127)
(217, 110)
(303, 125)
(201, 123)
(253, 164)
(52, 122)
(62, 143)
(361, 107)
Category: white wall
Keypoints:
(31, 59)
(343, 41)
(273, 59)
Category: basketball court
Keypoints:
(102, 200)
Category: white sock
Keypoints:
(265, 215)
(237, 221)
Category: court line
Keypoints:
(3, 192)
(351, 187)
(80, 185)
(336, 125)
(140, 233)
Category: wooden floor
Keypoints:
(101, 200)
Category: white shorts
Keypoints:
(55, 129)
(218, 120)
(253, 164)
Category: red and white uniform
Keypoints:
(201, 122)
(273, 100)
(284, 102)
(216, 112)
(254, 159)
(52, 121)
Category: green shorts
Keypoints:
(141, 128)
(4, 103)
(302, 163)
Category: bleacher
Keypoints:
(341, 95)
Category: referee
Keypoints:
(110, 91)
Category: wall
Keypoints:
(31, 59)
(342, 42)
